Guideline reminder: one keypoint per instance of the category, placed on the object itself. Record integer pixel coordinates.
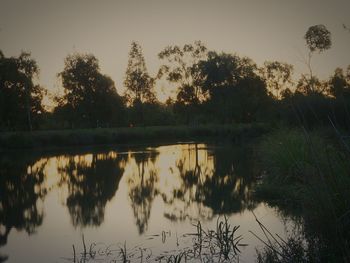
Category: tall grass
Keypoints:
(312, 172)
(279, 250)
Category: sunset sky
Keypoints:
(262, 30)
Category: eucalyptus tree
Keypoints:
(277, 76)
(318, 39)
(181, 68)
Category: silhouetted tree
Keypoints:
(339, 83)
(20, 98)
(139, 84)
(181, 68)
(235, 90)
(318, 39)
(309, 105)
(277, 75)
(339, 87)
(308, 86)
(89, 96)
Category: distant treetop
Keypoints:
(318, 38)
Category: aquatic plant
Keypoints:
(216, 245)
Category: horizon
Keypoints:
(267, 31)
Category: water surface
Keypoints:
(144, 196)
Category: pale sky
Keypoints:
(261, 30)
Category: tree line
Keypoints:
(211, 87)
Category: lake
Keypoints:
(148, 198)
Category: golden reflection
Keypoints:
(21, 194)
(193, 181)
(172, 172)
(142, 179)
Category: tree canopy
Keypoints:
(20, 98)
(318, 38)
(234, 88)
(210, 86)
(139, 84)
(181, 68)
(339, 83)
(277, 75)
(90, 98)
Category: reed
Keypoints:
(213, 245)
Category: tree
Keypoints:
(235, 90)
(138, 82)
(318, 39)
(308, 86)
(277, 75)
(20, 98)
(139, 85)
(339, 84)
(339, 87)
(224, 70)
(181, 68)
(90, 98)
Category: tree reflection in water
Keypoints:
(21, 189)
(92, 180)
(200, 181)
(218, 179)
(192, 168)
(142, 187)
(194, 181)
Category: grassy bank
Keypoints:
(311, 171)
(85, 137)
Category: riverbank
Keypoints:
(310, 171)
(102, 136)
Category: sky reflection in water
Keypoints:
(127, 194)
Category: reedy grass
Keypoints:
(217, 245)
(278, 250)
(311, 172)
